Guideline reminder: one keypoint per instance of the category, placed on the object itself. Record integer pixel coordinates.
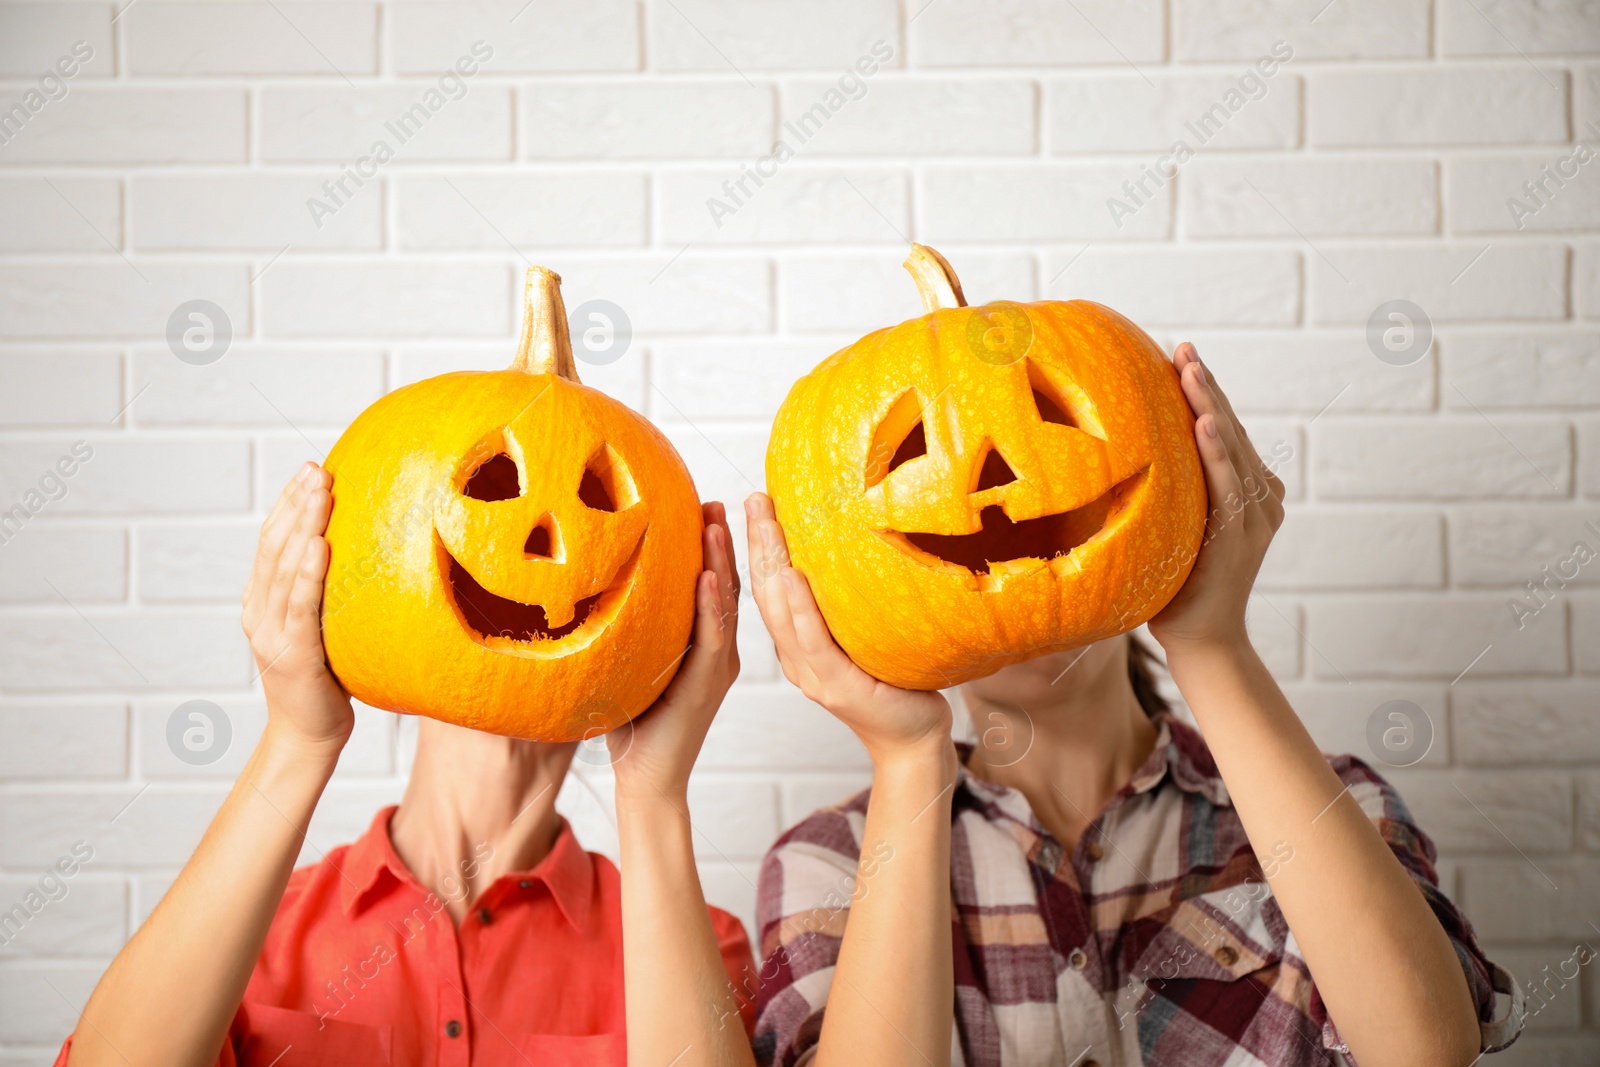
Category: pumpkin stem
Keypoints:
(546, 347)
(936, 279)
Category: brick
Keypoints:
(1522, 369)
(143, 650)
(88, 920)
(1449, 106)
(734, 817)
(283, 455)
(1441, 459)
(1483, 812)
(768, 34)
(691, 294)
(900, 117)
(852, 294)
(1337, 716)
(1182, 286)
(135, 125)
(1281, 445)
(1538, 899)
(1308, 373)
(1450, 282)
(524, 210)
(425, 38)
(668, 119)
(256, 386)
(1530, 723)
(1518, 27)
(1512, 545)
(132, 475)
(1588, 785)
(1587, 102)
(1349, 29)
(727, 463)
(342, 125)
(158, 828)
(114, 299)
(57, 387)
(245, 718)
(250, 211)
(1296, 197)
(1036, 33)
(804, 794)
(1589, 456)
(1065, 202)
(370, 751)
(38, 35)
(207, 561)
(1430, 636)
(84, 564)
(622, 379)
(801, 203)
(1586, 634)
(1492, 195)
(728, 379)
(1124, 112)
(1355, 549)
(758, 660)
(60, 215)
(252, 38)
(386, 299)
(40, 1002)
(1586, 286)
(769, 726)
(64, 741)
(1275, 627)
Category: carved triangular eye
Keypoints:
(606, 484)
(495, 479)
(900, 438)
(995, 472)
(1050, 411)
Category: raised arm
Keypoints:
(1386, 971)
(682, 1008)
(892, 997)
(172, 992)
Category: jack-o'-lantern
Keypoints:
(510, 550)
(982, 485)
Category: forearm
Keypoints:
(171, 993)
(893, 993)
(1382, 963)
(680, 1002)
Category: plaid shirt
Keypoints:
(1156, 941)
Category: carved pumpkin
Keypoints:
(982, 485)
(510, 550)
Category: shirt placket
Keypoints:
(451, 1025)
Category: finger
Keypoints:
(765, 562)
(303, 621)
(274, 534)
(1245, 455)
(1222, 479)
(1203, 399)
(313, 518)
(826, 660)
(720, 559)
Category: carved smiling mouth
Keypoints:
(1000, 540)
(493, 619)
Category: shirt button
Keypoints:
(452, 1029)
(1227, 956)
(524, 884)
(1093, 851)
(1078, 959)
(484, 916)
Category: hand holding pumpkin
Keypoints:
(889, 721)
(653, 758)
(281, 617)
(1246, 501)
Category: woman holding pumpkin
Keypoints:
(1125, 891)
(466, 926)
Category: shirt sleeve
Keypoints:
(1416, 853)
(739, 962)
(803, 899)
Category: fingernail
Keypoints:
(1200, 369)
(1211, 426)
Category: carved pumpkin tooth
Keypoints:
(982, 485)
(503, 543)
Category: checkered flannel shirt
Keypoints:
(1156, 941)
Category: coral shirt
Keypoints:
(363, 965)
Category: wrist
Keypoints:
(283, 747)
(932, 757)
(1188, 658)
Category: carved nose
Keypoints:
(544, 541)
(995, 472)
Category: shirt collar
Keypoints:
(1180, 753)
(567, 871)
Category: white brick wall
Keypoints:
(176, 161)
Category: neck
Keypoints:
(477, 807)
(1086, 743)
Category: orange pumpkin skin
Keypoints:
(1112, 483)
(434, 604)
